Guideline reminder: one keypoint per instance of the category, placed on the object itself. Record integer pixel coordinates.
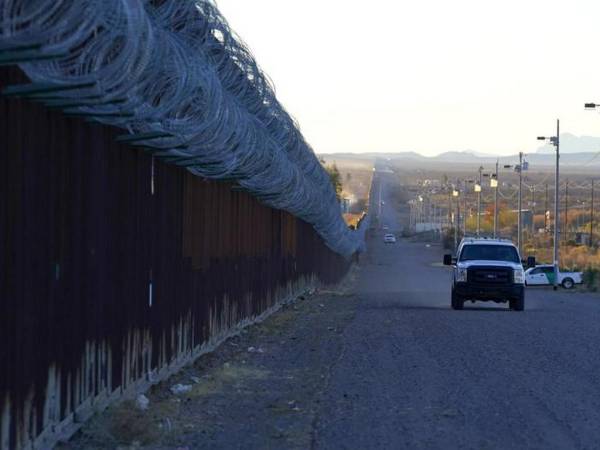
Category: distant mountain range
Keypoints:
(535, 159)
(590, 160)
(575, 151)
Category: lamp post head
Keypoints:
(591, 106)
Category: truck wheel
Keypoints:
(568, 283)
(457, 301)
(518, 304)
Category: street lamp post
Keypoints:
(532, 211)
(464, 210)
(592, 106)
(421, 215)
(494, 184)
(456, 218)
(520, 206)
(379, 202)
(555, 140)
(592, 217)
(478, 190)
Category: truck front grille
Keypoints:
(490, 275)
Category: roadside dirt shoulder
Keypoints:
(261, 389)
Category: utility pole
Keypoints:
(450, 189)
(379, 204)
(479, 204)
(520, 203)
(496, 201)
(465, 211)
(532, 211)
(556, 222)
(456, 227)
(546, 210)
(592, 217)
(457, 211)
(555, 140)
(456, 215)
(566, 230)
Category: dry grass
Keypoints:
(572, 257)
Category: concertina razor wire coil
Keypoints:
(175, 76)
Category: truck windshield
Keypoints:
(489, 253)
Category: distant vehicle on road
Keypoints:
(488, 270)
(385, 227)
(543, 275)
(389, 238)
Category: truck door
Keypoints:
(536, 277)
(549, 274)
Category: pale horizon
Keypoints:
(427, 77)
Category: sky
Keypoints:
(427, 75)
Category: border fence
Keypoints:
(116, 269)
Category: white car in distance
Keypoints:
(389, 238)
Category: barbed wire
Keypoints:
(174, 73)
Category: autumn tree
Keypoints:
(336, 179)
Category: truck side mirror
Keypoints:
(447, 260)
(531, 261)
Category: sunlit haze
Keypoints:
(427, 76)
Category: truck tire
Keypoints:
(457, 301)
(518, 304)
(568, 283)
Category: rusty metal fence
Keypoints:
(116, 269)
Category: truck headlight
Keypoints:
(519, 276)
(461, 275)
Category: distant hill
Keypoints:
(371, 155)
(462, 157)
(569, 143)
(588, 159)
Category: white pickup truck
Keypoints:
(544, 276)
